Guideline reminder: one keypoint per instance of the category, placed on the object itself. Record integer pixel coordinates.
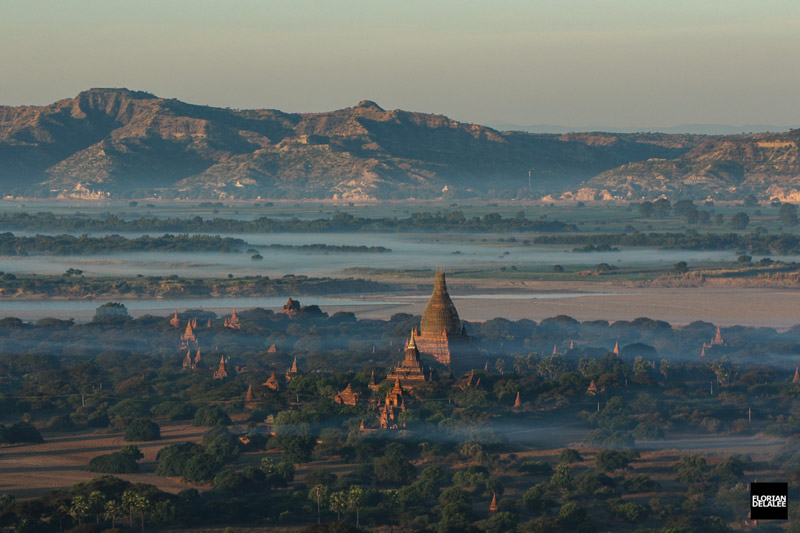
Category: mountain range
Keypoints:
(132, 144)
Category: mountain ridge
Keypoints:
(108, 142)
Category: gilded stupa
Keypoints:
(441, 334)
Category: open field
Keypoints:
(30, 470)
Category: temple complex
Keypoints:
(188, 338)
(232, 321)
(441, 334)
(189, 362)
(409, 373)
(272, 382)
(347, 396)
(716, 342)
(389, 411)
(222, 370)
(292, 372)
(249, 399)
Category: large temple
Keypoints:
(409, 372)
(441, 334)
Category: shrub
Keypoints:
(211, 415)
(114, 463)
(201, 467)
(19, 432)
(142, 429)
(172, 459)
(395, 470)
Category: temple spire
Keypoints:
(796, 378)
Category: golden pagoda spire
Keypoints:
(517, 402)
(616, 348)
(493, 508)
(796, 378)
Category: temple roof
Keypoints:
(440, 314)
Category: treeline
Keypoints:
(330, 248)
(72, 285)
(345, 222)
(758, 243)
(11, 244)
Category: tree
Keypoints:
(608, 460)
(355, 498)
(646, 209)
(680, 267)
(338, 503)
(740, 220)
(113, 510)
(142, 429)
(111, 312)
(201, 467)
(788, 214)
(97, 503)
(691, 468)
(211, 415)
(319, 494)
(662, 207)
(569, 456)
(79, 508)
(394, 469)
(750, 200)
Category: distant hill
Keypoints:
(122, 143)
(695, 129)
(767, 165)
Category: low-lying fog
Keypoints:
(409, 251)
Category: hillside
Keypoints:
(122, 143)
(767, 165)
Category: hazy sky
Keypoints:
(570, 62)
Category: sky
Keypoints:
(574, 63)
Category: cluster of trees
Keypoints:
(75, 286)
(758, 243)
(330, 248)
(342, 221)
(85, 245)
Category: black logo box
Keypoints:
(769, 501)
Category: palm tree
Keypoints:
(79, 508)
(318, 494)
(338, 503)
(113, 510)
(97, 503)
(355, 497)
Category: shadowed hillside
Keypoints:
(116, 142)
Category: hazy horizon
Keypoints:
(622, 64)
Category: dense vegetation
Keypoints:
(424, 221)
(73, 285)
(459, 447)
(85, 245)
(756, 243)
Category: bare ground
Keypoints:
(30, 470)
